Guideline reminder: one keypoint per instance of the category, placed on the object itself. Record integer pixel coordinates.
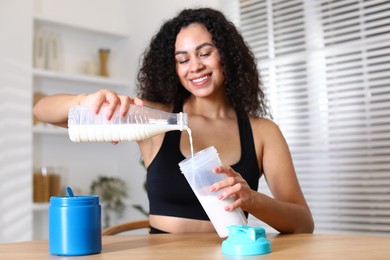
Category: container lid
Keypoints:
(200, 158)
(246, 240)
(67, 201)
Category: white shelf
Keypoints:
(40, 206)
(39, 18)
(49, 129)
(41, 73)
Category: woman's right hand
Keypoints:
(112, 100)
(54, 109)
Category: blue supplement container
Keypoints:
(75, 225)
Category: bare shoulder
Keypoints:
(263, 126)
(267, 138)
(266, 133)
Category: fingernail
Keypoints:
(220, 196)
(212, 188)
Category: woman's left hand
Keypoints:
(233, 186)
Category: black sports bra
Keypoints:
(169, 192)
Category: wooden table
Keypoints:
(208, 247)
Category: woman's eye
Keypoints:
(206, 54)
(183, 61)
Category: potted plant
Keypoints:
(112, 192)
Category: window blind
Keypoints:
(325, 66)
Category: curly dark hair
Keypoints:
(159, 82)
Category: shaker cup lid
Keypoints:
(246, 240)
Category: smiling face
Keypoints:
(198, 61)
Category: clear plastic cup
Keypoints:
(198, 170)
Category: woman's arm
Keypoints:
(288, 211)
(54, 109)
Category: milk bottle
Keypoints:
(139, 123)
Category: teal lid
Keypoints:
(246, 240)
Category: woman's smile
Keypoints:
(201, 80)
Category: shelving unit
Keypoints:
(40, 207)
(79, 78)
(51, 144)
(47, 20)
(79, 43)
(45, 129)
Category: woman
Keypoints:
(198, 63)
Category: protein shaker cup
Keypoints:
(198, 170)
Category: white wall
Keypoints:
(15, 127)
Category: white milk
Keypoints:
(221, 218)
(119, 132)
(191, 144)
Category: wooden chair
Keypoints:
(127, 226)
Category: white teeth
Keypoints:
(200, 79)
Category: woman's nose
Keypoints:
(196, 65)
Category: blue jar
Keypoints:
(74, 225)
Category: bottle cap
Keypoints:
(246, 240)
